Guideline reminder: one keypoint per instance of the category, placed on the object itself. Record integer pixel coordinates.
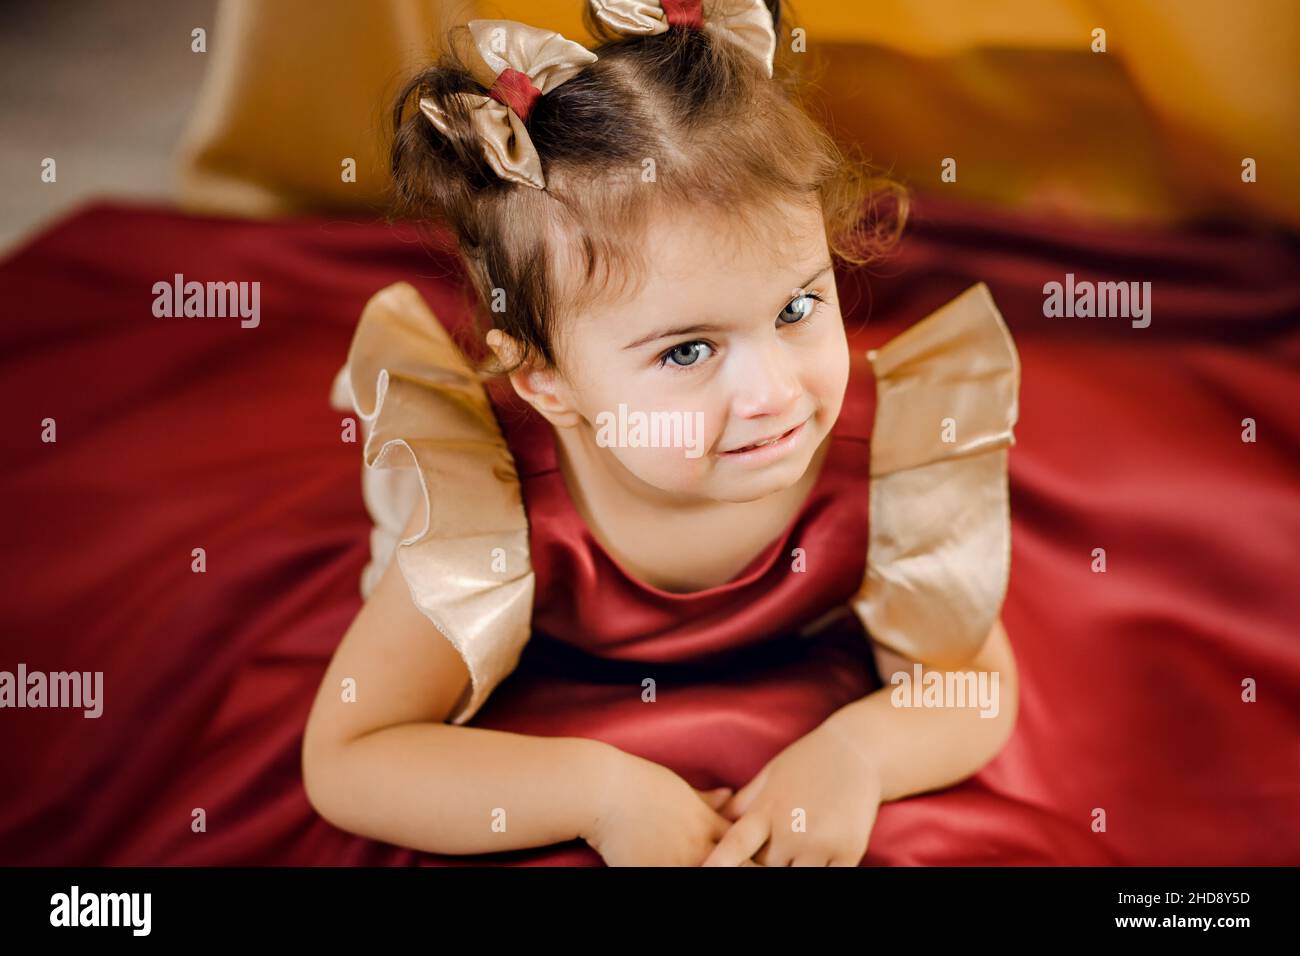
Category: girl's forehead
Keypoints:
(736, 303)
(686, 246)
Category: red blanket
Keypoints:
(183, 433)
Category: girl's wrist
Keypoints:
(597, 769)
(871, 760)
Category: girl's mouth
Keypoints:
(770, 449)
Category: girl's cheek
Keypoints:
(684, 432)
(669, 469)
(834, 357)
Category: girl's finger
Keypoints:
(729, 811)
(766, 856)
(738, 806)
(741, 841)
(715, 798)
(720, 827)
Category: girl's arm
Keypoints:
(387, 766)
(915, 749)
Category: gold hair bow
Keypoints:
(744, 22)
(518, 64)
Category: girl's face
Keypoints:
(730, 341)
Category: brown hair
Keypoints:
(722, 136)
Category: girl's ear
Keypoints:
(540, 385)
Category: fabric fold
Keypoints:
(424, 411)
(939, 551)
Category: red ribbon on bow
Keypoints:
(515, 90)
(684, 13)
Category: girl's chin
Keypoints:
(760, 486)
(772, 480)
(722, 489)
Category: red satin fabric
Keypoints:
(183, 433)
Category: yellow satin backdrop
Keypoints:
(1157, 127)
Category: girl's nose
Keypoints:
(768, 384)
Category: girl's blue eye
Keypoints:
(683, 355)
(688, 353)
(803, 305)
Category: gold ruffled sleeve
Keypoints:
(431, 437)
(939, 551)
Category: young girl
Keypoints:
(650, 227)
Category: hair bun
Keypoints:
(517, 64)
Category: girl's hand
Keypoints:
(814, 804)
(648, 816)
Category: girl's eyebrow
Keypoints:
(665, 333)
(706, 327)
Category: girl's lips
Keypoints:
(763, 453)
